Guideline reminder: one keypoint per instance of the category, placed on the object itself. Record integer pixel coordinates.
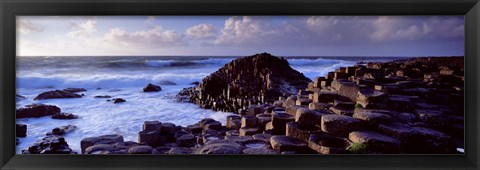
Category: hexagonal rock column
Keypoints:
(375, 142)
(285, 143)
(340, 125)
(233, 122)
(327, 144)
(324, 97)
(263, 119)
(105, 139)
(346, 88)
(434, 141)
(300, 131)
(307, 117)
(367, 97)
(186, 140)
(371, 117)
(254, 110)
(279, 122)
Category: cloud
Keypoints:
(153, 37)
(83, 30)
(202, 31)
(396, 28)
(150, 19)
(25, 26)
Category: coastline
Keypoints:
(248, 132)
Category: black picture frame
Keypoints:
(11, 8)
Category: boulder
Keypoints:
(260, 151)
(249, 121)
(37, 110)
(262, 136)
(324, 97)
(285, 143)
(221, 147)
(21, 130)
(375, 142)
(279, 122)
(346, 89)
(56, 94)
(308, 117)
(300, 131)
(105, 139)
(319, 106)
(327, 144)
(118, 100)
(63, 130)
(180, 151)
(340, 125)
(49, 145)
(367, 97)
(103, 96)
(140, 149)
(433, 117)
(233, 122)
(239, 139)
(372, 117)
(187, 140)
(64, 116)
(152, 88)
(152, 126)
(74, 90)
(248, 131)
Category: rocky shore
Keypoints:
(410, 106)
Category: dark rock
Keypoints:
(63, 130)
(301, 131)
(221, 147)
(57, 94)
(49, 145)
(180, 151)
(239, 139)
(105, 139)
(152, 126)
(285, 143)
(37, 110)
(327, 144)
(375, 142)
(248, 131)
(21, 130)
(340, 125)
(262, 136)
(64, 116)
(103, 96)
(279, 122)
(167, 82)
(140, 149)
(187, 140)
(151, 138)
(261, 77)
(74, 90)
(233, 122)
(19, 97)
(152, 88)
(260, 151)
(118, 100)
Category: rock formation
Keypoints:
(260, 78)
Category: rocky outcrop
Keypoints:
(74, 90)
(152, 88)
(52, 143)
(21, 130)
(260, 78)
(57, 94)
(37, 110)
(64, 116)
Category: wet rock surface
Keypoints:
(37, 110)
(57, 94)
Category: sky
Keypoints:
(240, 35)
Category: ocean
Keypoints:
(124, 77)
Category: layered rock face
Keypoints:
(260, 78)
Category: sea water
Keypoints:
(124, 77)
